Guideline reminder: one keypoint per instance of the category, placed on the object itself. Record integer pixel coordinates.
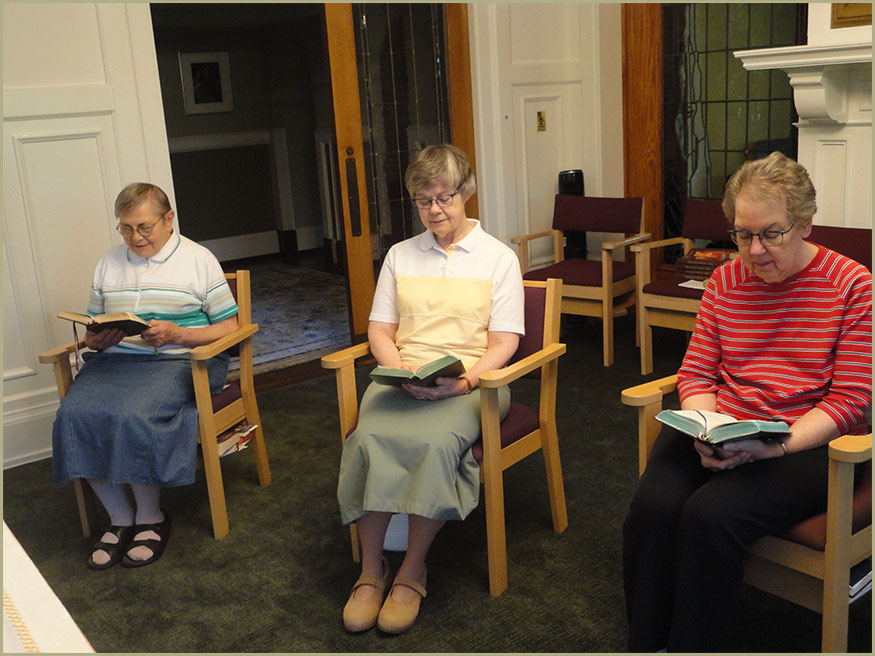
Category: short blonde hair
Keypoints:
(777, 180)
(137, 193)
(444, 164)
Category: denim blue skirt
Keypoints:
(131, 419)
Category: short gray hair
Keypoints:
(777, 180)
(444, 164)
(137, 193)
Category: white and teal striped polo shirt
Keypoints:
(182, 283)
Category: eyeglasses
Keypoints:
(443, 201)
(767, 237)
(144, 229)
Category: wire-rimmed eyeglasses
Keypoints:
(766, 237)
(144, 229)
(444, 200)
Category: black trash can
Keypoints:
(571, 182)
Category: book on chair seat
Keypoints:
(126, 321)
(716, 429)
(448, 366)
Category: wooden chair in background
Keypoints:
(809, 564)
(234, 404)
(594, 288)
(664, 302)
(523, 431)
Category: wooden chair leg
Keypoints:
(493, 491)
(608, 335)
(496, 538)
(646, 344)
(87, 503)
(836, 566)
(555, 486)
(216, 492)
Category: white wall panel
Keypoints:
(82, 117)
(34, 34)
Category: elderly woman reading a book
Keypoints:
(783, 333)
(452, 290)
(130, 416)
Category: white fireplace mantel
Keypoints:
(821, 77)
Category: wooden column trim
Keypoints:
(459, 87)
(642, 111)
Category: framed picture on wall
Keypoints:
(206, 82)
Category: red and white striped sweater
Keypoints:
(774, 351)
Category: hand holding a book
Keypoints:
(722, 457)
(102, 340)
(442, 389)
(160, 333)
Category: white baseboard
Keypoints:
(251, 245)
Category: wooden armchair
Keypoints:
(592, 288)
(523, 431)
(217, 413)
(663, 302)
(810, 563)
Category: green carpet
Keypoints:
(278, 581)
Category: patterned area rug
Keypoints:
(301, 313)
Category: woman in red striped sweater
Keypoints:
(783, 333)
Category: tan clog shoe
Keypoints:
(361, 614)
(396, 617)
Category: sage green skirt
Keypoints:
(412, 456)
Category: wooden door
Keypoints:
(350, 157)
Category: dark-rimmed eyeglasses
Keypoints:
(144, 229)
(444, 200)
(766, 237)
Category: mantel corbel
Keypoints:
(818, 74)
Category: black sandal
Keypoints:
(155, 546)
(116, 551)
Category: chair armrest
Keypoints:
(634, 239)
(851, 448)
(346, 357)
(211, 350)
(659, 243)
(522, 239)
(650, 392)
(60, 352)
(505, 375)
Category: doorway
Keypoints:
(258, 176)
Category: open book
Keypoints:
(127, 321)
(716, 429)
(448, 366)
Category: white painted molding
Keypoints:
(240, 246)
(819, 76)
(805, 56)
(58, 102)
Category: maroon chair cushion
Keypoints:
(812, 532)
(670, 287)
(519, 422)
(226, 397)
(587, 273)
(597, 214)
